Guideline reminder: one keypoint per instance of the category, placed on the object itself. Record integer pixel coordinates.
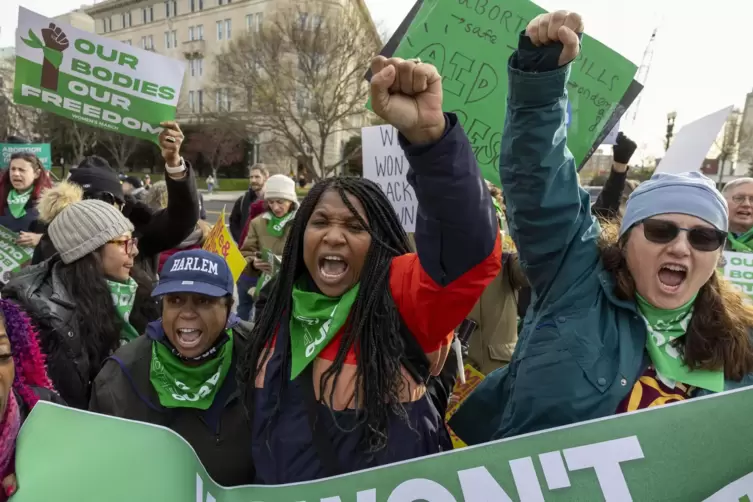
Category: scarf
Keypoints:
(180, 385)
(123, 297)
(663, 327)
(276, 224)
(742, 243)
(9, 428)
(314, 321)
(17, 202)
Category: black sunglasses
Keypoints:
(701, 238)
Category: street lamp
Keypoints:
(671, 116)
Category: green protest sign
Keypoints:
(738, 269)
(41, 150)
(470, 41)
(690, 451)
(91, 79)
(12, 256)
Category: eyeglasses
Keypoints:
(129, 245)
(701, 238)
(107, 197)
(740, 199)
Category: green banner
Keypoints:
(92, 79)
(691, 451)
(41, 150)
(470, 41)
(12, 256)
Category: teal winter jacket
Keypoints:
(581, 349)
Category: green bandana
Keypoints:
(743, 243)
(276, 225)
(17, 202)
(664, 326)
(180, 385)
(123, 297)
(314, 322)
(500, 213)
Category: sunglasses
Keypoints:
(700, 238)
(129, 245)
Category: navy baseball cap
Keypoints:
(195, 271)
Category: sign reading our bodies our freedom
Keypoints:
(93, 79)
(470, 42)
(738, 269)
(692, 451)
(41, 150)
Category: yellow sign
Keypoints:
(220, 242)
(473, 377)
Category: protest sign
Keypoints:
(470, 42)
(220, 242)
(738, 269)
(41, 150)
(384, 163)
(691, 145)
(60, 456)
(275, 262)
(12, 256)
(473, 377)
(92, 79)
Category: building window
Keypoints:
(223, 2)
(200, 99)
(223, 100)
(147, 42)
(197, 5)
(190, 33)
(175, 38)
(171, 8)
(228, 25)
(168, 40)
(199, 32)
(147, 14)
(171, 39)
(304, 19)
(191, 103)
(125, 19)
(219, 30)
(253, 21)
(107, 24)
(196, 67)
(127, 42)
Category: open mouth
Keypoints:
(332, 268)
(744, 213)
(671, 276)
(188, 338)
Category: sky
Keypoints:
(701, 57)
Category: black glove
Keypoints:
(623, 149)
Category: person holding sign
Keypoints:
(268, 232)
(635, 319)
(181, 375)
(20, 188)
(356, 323)
(88, 299)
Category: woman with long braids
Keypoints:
(355, 323)
(625, 317)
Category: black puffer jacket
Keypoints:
(72, 363)
(221, 435)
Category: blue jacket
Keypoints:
(26, 223)
(459, 254)
(581, 349)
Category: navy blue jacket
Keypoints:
(27, 223)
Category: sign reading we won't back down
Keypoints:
(92, 79)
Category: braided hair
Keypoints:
(374, 324)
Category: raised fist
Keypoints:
(408, 95)
(557, 27)
(54, 38)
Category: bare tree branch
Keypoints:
(120, 146)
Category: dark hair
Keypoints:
(373, 327)
(40, 184)
(718, 336)
(99, 325)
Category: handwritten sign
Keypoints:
(220, 242)
(12, 256)
(41, 150)
(738, 269)
(470, 41)
(473, 377)
(384, 163)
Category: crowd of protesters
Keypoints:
(338, 354)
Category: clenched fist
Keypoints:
(170, 140)
(557, 27)
(408, 95)
(55, 38)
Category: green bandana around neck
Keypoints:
(276, 224)
(17, 202)
(123, 297)
(314, 321)
(180, 385)
(743, 243)
(663, 327)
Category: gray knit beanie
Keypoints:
(85, 226)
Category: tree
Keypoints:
(119, 146)
(300, 78)
(218, 144)
(353, 156)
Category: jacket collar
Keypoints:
(607, 281)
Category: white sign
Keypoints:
(384, 163)
(738, 269)
(611, 138)
(691, 145)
